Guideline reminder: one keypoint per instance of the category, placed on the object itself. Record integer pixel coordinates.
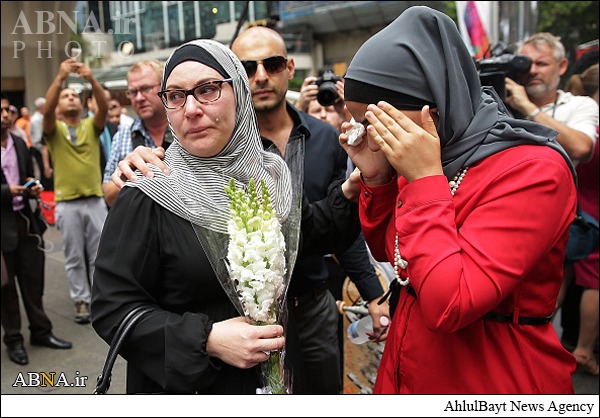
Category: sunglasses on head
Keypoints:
(273, 65)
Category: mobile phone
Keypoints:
(31, 183)
(76, 53)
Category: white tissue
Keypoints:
(356, 133)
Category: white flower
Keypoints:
(256, 252)
(257, 266)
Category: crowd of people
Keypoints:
(431, 196)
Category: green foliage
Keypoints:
(295, 83)
(576, 22)
(450, 9)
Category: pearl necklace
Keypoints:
(399, 262)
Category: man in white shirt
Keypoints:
(538, 98)
(575, 118)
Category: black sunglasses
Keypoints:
(273, 65)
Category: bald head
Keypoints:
(268, 83)
(258, 42)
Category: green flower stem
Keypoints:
(272, 372)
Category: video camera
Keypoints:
(327, 94)
(502, 63)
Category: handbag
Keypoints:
(583, 237)
(103, 380)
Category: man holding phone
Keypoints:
(22, 250)
(74, 143)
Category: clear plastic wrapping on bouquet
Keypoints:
(221, 249)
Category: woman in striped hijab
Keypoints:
(163, 240)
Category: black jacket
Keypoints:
(325, 163)
(9, 234)
(166, 268)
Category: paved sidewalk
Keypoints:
(81, 364)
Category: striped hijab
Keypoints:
(195, 188)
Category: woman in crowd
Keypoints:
(157, 247)
(470, 205)
(586, 270)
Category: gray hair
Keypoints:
(541, 39)
(39, 102)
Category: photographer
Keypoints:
(354, 263)
(75, 147)
(539, 99)
(311, 87)
(575, 118)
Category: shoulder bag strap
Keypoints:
(103, 381)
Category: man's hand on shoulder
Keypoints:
(139, 159)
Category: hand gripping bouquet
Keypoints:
(255, 258)
(261, 256)
(253, 252)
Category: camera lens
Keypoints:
(327, 94)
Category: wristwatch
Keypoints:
(533, 114)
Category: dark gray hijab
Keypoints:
(421, 54)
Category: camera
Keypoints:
(501, 64)
(327, 94)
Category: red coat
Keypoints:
(497, 246)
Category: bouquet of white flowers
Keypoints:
(257, 266)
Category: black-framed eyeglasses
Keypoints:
(145, 90)
(203, 93)
(273, 65)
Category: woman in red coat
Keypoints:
(472, 207)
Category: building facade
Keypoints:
(320, 35)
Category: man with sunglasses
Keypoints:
(150, 129)
(311, 336)
(74, 144)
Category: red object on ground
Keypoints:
(48, 205)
